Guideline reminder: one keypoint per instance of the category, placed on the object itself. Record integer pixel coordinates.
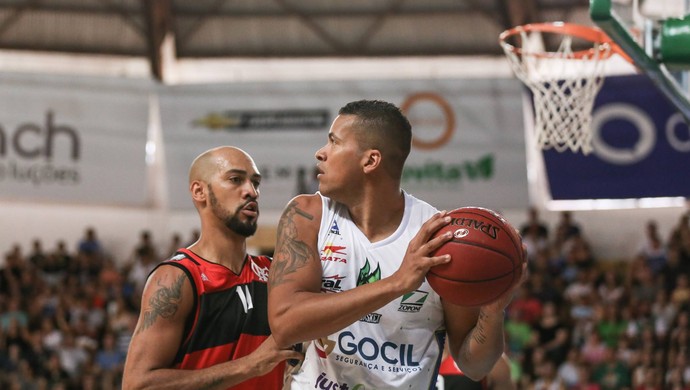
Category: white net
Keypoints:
(564, 84)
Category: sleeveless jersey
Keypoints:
(229, 318)
(396, 346)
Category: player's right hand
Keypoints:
(268, 355)
(418, 258)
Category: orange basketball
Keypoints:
(486, 258)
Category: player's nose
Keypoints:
(320, 154)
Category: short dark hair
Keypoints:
(382, 126)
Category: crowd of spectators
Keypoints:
(582, 323)
(67, 315)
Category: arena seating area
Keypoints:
(67, 311)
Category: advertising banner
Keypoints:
(641, 148)
(75, 140)
(468, 146)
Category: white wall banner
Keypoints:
(468, 144)
(73, 139)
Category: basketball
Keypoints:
(486, 258)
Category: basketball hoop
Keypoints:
(563, 81)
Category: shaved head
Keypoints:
(210, 161)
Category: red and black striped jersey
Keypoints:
(230, 318)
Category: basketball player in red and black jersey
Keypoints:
(203, 322)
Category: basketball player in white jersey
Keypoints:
(348, 274)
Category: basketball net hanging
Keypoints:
(563, 82)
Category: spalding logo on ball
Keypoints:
(460, 233)
(486, 258)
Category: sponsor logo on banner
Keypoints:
(316, 119)
(441, 166)
(429, 111)
(445, 174)
(433, 124)
(44, 152)
(641, 145)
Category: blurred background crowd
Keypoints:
(67, 312)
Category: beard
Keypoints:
(232, 220)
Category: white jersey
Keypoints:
(398, 346)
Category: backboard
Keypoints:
(655, 34)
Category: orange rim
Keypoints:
(592, 34)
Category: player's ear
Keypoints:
(198, 190)
(372, 160)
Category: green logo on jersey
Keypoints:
(365, 276)
(415, 297)
(412, 302)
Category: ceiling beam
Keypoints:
(316, 13)
(158, 14)
(376, 25)
(54, 7)
(184, 36)
(16, 13)
(129, 16)
(337, 45)
(398, 52)
(517, 12)
(75, 48)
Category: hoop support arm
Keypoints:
(603, 16)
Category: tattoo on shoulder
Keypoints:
(303, 213)
(291, 253)
(164, 303)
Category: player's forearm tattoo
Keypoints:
(479, 333)
(163, 303)
(212, 384)
(291, 253)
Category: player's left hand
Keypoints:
(504, 300)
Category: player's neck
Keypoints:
(219, 248)
(379, 213)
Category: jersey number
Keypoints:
(245, 297)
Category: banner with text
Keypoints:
(468, 146)
(641, 147)
(73, 139)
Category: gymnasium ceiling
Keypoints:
(272, 28)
